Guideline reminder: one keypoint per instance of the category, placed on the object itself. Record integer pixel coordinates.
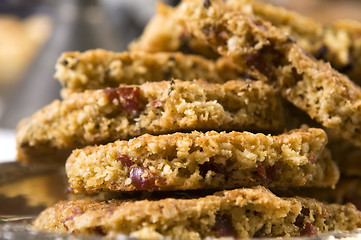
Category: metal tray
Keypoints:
(26, 191)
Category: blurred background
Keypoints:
(34, 33)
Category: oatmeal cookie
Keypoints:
(346, 155)
(338, 43)
(170, 37)
(96, 69)
(101, 116)
(313, 86)
(347, 190)
(211, 160)
(240, 213)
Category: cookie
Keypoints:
(211, 160)
(240, 213)
(338, 43)
(170, 37)
(346, 155)
(347, 190)
(313, 86)
(96, 69)
(101, 116)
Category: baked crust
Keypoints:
(211, 160)
(313, 86)
(98, 68)
(240, 213)
(102, 116)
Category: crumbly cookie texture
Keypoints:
(313, 86)
(240, 213)
(102, 116)
(196, 160)
(346, 155)
(170, 37)
(96, 69)
(347, 190)
(338, 43)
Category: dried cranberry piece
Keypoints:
(142, 179)
(308, 230)
(216, 33)
(111, 94)
(264, 61)
(75, 212)
(259, 23)
(128, 97)
(156, 103)
(312, 158)
(224, 227)
(255, 60)
(124, 159)
(268, 174)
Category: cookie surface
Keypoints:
(241, 213)
(313, 86)
(347, 190)
(170, 37)
(97, 69)
(101, 116)
(211, 160)
(338, 43)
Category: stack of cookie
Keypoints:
(229, 117)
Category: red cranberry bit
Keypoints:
(259, 23)
(111, 94)
(128, 97)
(255, 60)
(75, 212)
(124, 159)
(268, 174)
(308, 230)
(215, 33)
(156, 103)
(224, 227)
(312, 158)
(142, 179)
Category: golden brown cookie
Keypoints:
(211, 160)
(313, 86)
(241, 213)
(96, 69)
(102, 116)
